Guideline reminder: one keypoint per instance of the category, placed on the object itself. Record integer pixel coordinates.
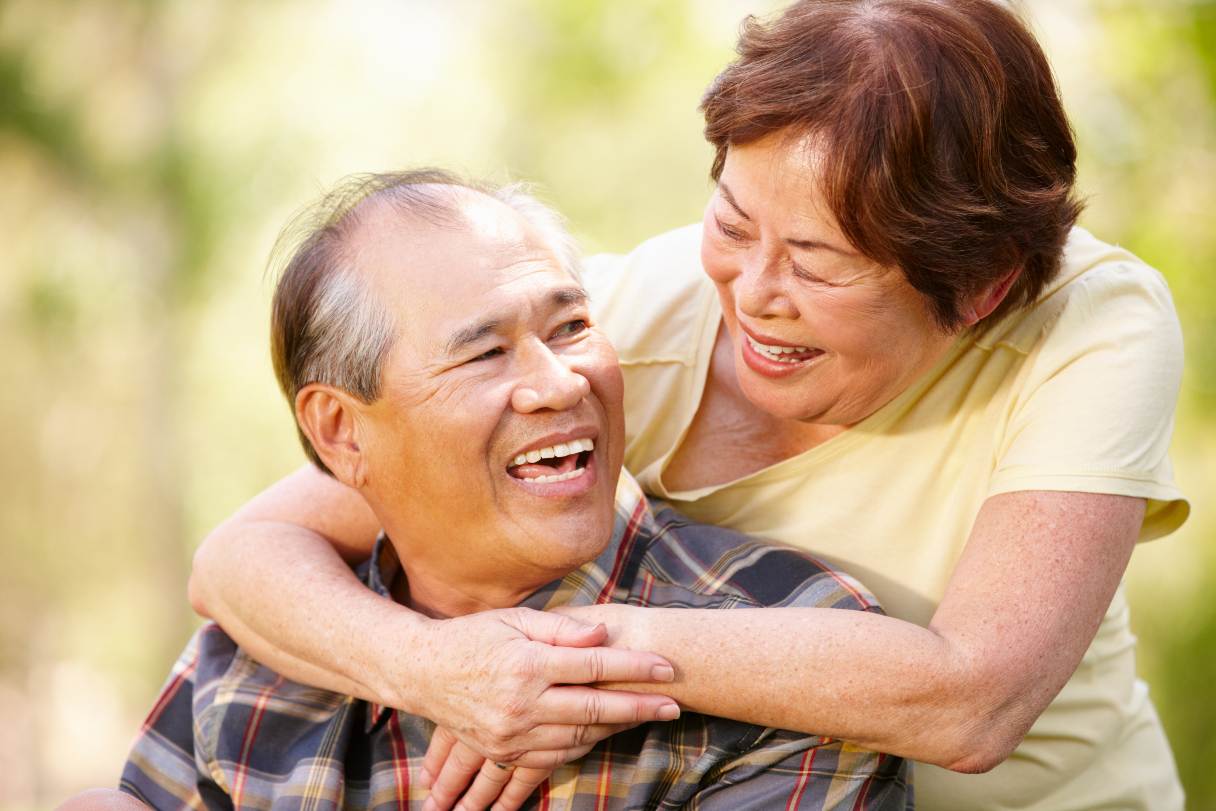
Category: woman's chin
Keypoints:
(784, 403)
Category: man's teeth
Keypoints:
(776, 352)
(558, 477)
(555, 452)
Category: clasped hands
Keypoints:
(509, 692)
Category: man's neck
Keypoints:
(436, 599)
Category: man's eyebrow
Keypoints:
(806, 244)
(562, 297)
(569, 296)
(470, 334)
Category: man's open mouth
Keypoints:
(555, 463)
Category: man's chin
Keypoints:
(563, 543)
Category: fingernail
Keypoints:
(430, 804)
(669, 712)
(425, 778)
(663, 673)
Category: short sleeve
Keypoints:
(1094, 409)
(660, 311)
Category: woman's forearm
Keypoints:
(276, 578)
(1022, 606)
(312, 621)
(876, 681)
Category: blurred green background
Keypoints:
(149, 151)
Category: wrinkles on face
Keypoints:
(786, 275)
(495, 353)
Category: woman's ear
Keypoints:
(329, 418)
(983, 303)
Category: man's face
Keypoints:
(496, 362)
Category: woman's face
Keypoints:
(821, 333)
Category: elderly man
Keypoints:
(441, 360)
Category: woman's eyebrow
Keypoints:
(730, 198)
(805, 244)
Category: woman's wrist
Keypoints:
(629, 627)
(398, 659)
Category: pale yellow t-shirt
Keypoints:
(1075, 393)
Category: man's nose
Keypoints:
(759, 288)
(546, 381)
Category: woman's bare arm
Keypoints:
(273, 576)
(1023, 604)
(290, 546)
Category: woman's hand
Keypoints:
(511, 682)
(450, 765)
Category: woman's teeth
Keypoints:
(777, 353)
(555, 452)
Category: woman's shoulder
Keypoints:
(1101, 292)
(652, 302)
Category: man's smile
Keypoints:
(557, 459)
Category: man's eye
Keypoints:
(572, 327)
(489, 353)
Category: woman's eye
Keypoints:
(729, 231)
(807, 276)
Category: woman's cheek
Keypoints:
(714, 262)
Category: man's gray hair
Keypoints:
(326, 324)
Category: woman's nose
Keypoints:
(759, 291)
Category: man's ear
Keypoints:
(983, 303)
(329, 418)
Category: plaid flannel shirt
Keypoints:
(227, 732)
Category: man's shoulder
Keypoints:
(233, 692)
(690, 564)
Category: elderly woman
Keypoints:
(887, 343)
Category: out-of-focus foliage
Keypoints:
(150, 151)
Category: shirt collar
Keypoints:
(605, 579)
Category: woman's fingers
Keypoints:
(491, 779)
(555, 629)
(590, 665)
(492, 783)
(436, 755)
(453, 777)
(587, 706)
(523, 783)
(556, 744)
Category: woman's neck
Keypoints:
(730, 437)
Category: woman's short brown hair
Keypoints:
(950, 153)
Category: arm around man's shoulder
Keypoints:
(776, 768)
